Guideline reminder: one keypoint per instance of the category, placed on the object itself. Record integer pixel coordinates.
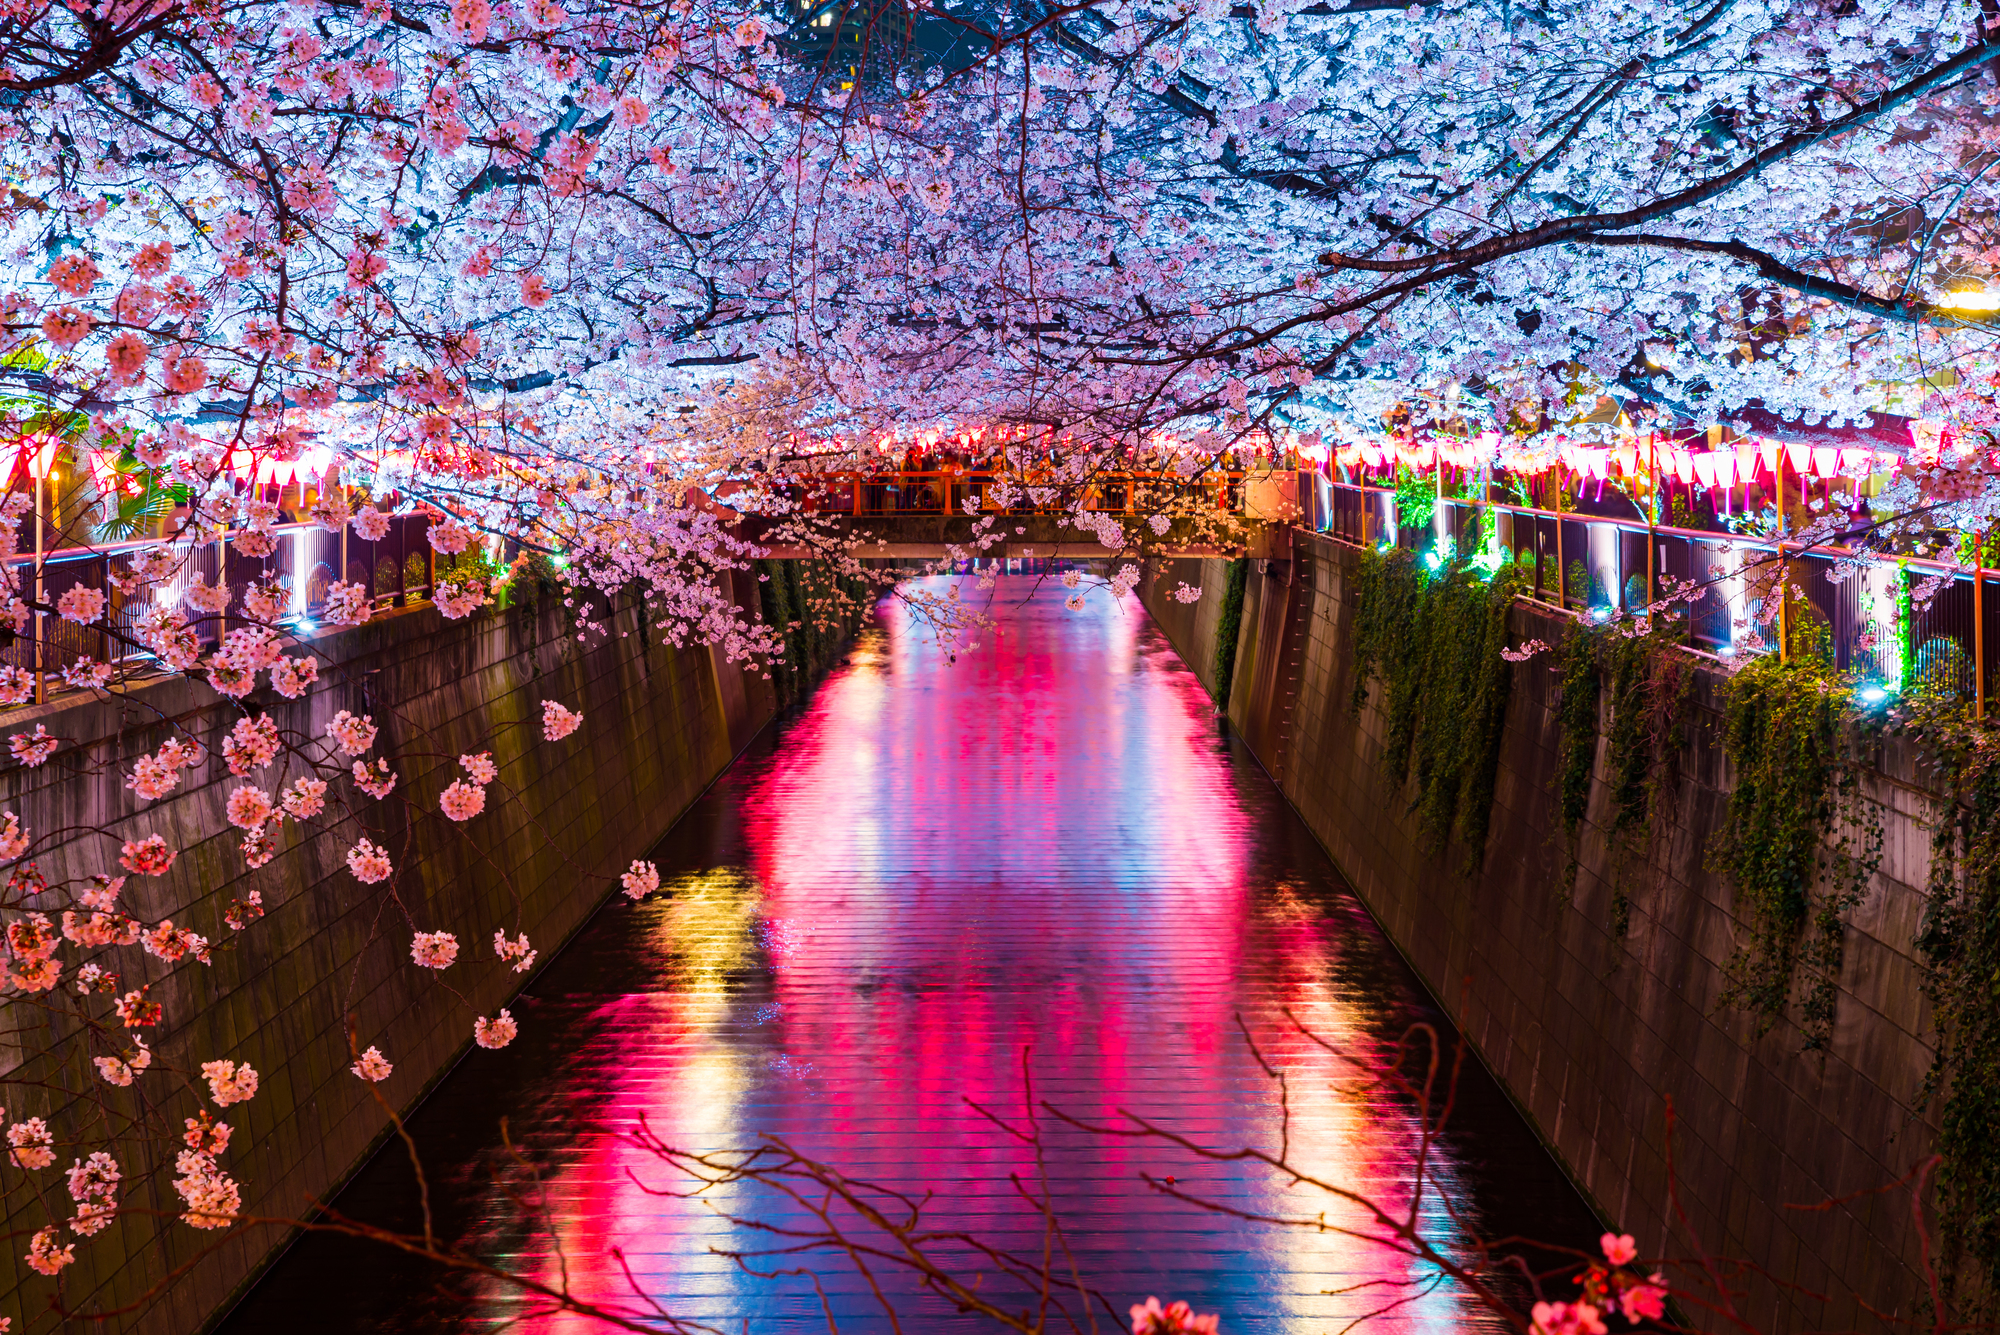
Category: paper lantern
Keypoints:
(1746, 460)
(102, 471)
(1770, 450)
(39, 457)
(1825, 461)
(1704, 469)
(1855, 462)
(1725, 467)
(1683, 464)
(1627, 457)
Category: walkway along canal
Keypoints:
(1046, 856)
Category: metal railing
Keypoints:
(398, 570)
(946, 490)
(1899, 622)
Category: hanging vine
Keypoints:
(1958, 942)
(1576, 741)
(1651, 683)
(1229, 629)
(1794, 742)
(1434, 642)
(815, 611)
(1648, 683)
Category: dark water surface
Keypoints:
(1045, 856)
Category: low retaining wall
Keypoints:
(1593, 1034)
(659, 725)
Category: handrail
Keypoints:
(1891, 619)
(1669, 530)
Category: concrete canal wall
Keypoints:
(1594, 1034)
(659, 725)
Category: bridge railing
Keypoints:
(945, 490)
(398, 570)
(1899, 622)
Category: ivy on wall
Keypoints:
(804, 602)
(1798, 843)
(1576, 740)
(1433, 639)
(1648, 685)
(1958, 942)
(1229, 628)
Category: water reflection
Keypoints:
(938, 876)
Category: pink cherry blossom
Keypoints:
(461, 800)
(642, 880)
(13, 838)
(81, 605)
(187, 375)
(87, 673)
(17, 685)
(249, 807)
(497, 1032)
(126, 355)
(304, 797)
(516, 950)
(32, 749)
(1149, 1318)
(368, 863)
(371, 524)
(66, 326)
(252, 744)
(44, 1257)
(350, 735)
(146, 857)
(121, 1070)
(1567, 1319)
(32, 1144)
(1619, 1249)
(291, 677)
(449, 536)
(229, 1082)
(74, 274)
(434, 950)
(559, 722)
(372, 1066)
(480, 768)
(457, 599)
(375, 780)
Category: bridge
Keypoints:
(933, 513)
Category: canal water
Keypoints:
(936, 883)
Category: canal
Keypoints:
(933, 882)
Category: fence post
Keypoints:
(1438, 515)
(1562, 570)
(1784, 590)
(1978, 629)
(41, 592)
(1652, 524)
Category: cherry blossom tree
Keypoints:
(626, 283)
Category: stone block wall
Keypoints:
(1593, 1034)
(562, 821)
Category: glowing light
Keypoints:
(1873, 693)
(1971, 299)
